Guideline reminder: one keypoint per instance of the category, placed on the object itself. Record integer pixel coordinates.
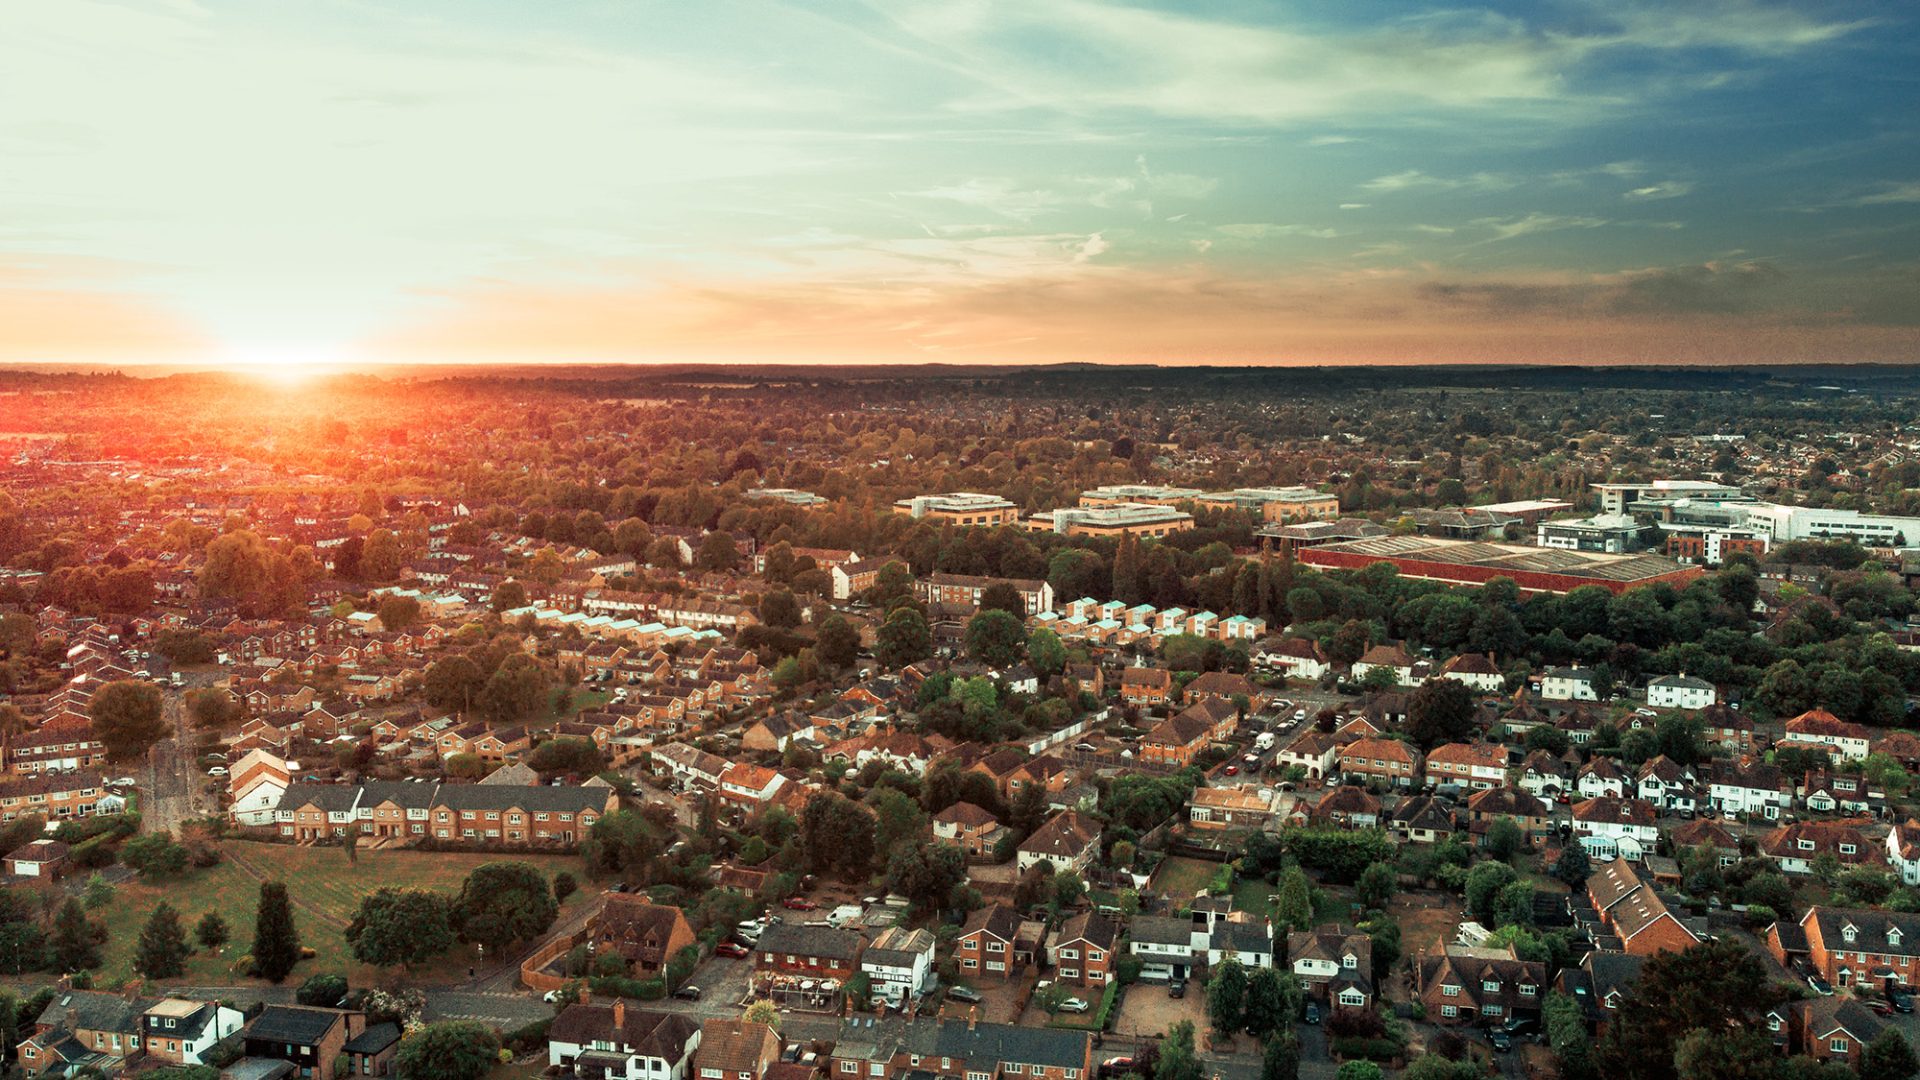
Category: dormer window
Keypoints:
(1850, 933)
(1349, 961)
(1893, 936)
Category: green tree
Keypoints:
(1439, 711)
(399, 926)
(1574, 865)
(1565, 1026)
(779, 608)
(1484, 884)
(1045, 652)
(451, 1050)
(127, 718)
(1726, 1055)
(1178, 1058)
(897, 820)
(1358, 1070)
(75, 943)
(836, 643)
(903, 639)
(1377, 885)
(162, 950)
(518, 689)
(501, 903)
(276, 942)
(1268, 1009)
(1888, 1057)
(1503, 840)
(212, 931)
(996, 638)
(454, 682)
(1227, 996)
(1716, 986)
(1294, 909)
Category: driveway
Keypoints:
(1147, 1012)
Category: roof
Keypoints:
(966, 815)
(300, 1025)
(376, 1038)
(652, 1034)
(95, 1011)
(1007, 1043)
(1066, 834)
(792, 939)
(1592, 565)
(1160, 930)
(737, 1045)
(999, 921)
(1092, 928)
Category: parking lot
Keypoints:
(1147, 1012)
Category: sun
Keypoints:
(283, 366)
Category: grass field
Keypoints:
(1180, 879)
(325, 889)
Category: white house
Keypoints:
(176, 1029)
(1746, 788)
(1164, 946)
(624, 1043)
(899, 963)
(1295, 658)
(1476, 670)
(1314, 751)
(1680, 692)
(1608, 827)
(255, 786)
(1601, 778)
(1903, 851)
(1568, 684)
(1667, 785)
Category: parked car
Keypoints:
(688, 993)
(1902, 1003)
(1074, 1005)
(731, 948)
(1820, 985)
(1521, 1027)
(217, 770)
(551, 997)
(1500, 1039)
(1233, 770)
(1086, 748)
(1177, 988)
(1313, 1012)
(1881, 1006)
(1116, 1066)
(799, 903)
(964, 993)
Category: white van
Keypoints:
(844, 915)
(1264, 741)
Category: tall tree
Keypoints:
(1282, 1059)
(1294, 910)
(276, 941)
(1227, 996)
(836, 642)
(212, 931)
(162, 951)
(1178, 1058)
(399, 926)
(1716, 986)
(75, 944)
(996, 638)
(1268, 1012)
(501, 903)
(903, 638)
(450, 1050)
(1888, 1057)
(127, 718)
(1439, 711)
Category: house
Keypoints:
(1164, 946)
(1393, 658)
(1827, 791)
(1461, 985)
(1068, 840)
(1634, 912)
(968, 827)
(1679, 692)
(1424, 819)
(56, 796)
(1476, 670)
(1568, 684)
(1313, 752)
(80, 1028)
(1389, 761)
(1601, 778)
(1085, 949)
(1611, 827)
(1544, 776)
(1820, 728)
(43, 858)
(773, 733)
(990, 942)
(1242, 936)
(899, 963)
(1221, 685)
(1333, 964)
(1795, 847)
(749, 787)
(1746, 786)
(1666, 784)
(1903, 851)
(737, 1049)
(1293, 658)
(645, 934)
(311, 1039)
(1145, 687)
(808, 951)
(1470, 765)
(1833, 1029)
(930, 1047)
(373, 1052)
(179, 1031)
(1600, 985)
(1708, 833)
(615, 1041)
(1348, 807)
(1727, 728)
(1247, 806)
(1534, 817)
(1853, 946)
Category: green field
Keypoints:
(1180, 879)
(325, 889)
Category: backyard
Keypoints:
(325, 889)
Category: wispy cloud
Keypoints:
(1890, 194)
(1536, 222)
(1413, 179)
(1665, 189)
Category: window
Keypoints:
(1491, 1010)
(1491, 986)
(1094, 956)
(996, 946)
(1838, 1046)
(1449, 990)
(969, 963)
(1449, 1010)
(1069, 954)
(1848, 849)
(1069, 973)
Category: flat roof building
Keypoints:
(1469, 562)
(1113, 519)
(787, 495)
(959, 508)
(1156, 494)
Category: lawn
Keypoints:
(325, 889)
(1181, 879)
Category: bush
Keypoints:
(1355, 1048)
(639, 989)
(1104, 1015)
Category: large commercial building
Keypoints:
(1282, 504)
(1121, 494)
(1700, 508)
(1615, 533)
(1112, 519)
(1468, 562)
(959, 508)
(1650, 496)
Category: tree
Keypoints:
(1227, 996)
(1716, 986)
(454, 682)
(76, 939)
(1889, 1057)
(1268, 1010)
(897, 819)
(1294, 909)
(1282, 1060)
(717, 551)
(212, 709)
(1726, 1055)
(451, 1050)
(1377, 884)
(1001, 596)
(1484, 883)
(1178, 1060)
(162, 951)
(1565, 1026)
(398, 613)
(509, 595)
(1439, 711)
(127, 718)
(779, 608)
(501, 903)
(836, 642)
(154, 855)
(1574, 865)
(518, 689)
(926, 872)
(276, 942)
(1045, 652)
(762, 1011)
(837, 834)
(212, 931)
(1503, 840)
(903, 639)
(567, 754)
(995, 638)
(1358, 1070)
(399, 926)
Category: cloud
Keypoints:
(1890, 194)
(1271, 231)
(1413, 179)
(1665, 189)
(1331, 140)
(1095, 246)
(1353, 206)
(1536, 222)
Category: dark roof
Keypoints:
(999, 920)
(95, 1011)
(788, 939)
(652, 1034)
(1159, 930)
(373, 1040)
(300, 1025)
(980, 1043)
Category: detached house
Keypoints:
(1833, 1029)
(1568, 684)
(1393, 658)
(645, 934)
(1795, 847)
(1333, 964)
(1635, 913)
(995, 941)
(1611, 827)
(1069, 841)
(1476, 670)
(1461, 985)
(1470, 765)
(1145, 687)
(1679, 692)
(617, 1042)
(1085, 949)
(1389, 761)
(737, 1049)
(1820, 728)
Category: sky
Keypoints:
(306, 183)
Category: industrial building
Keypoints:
(1469, 562)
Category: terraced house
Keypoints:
(457, 814)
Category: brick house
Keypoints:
(645, 934)
(808, 951)
(1460, 985)
(1470, 765)
(1177, 740)
(1634, 912)
(987, 943)
(1085, 949)
(1145, 687)
(737, 1049)
(1852, 946)
(310, 1039)
(1833, 1029)
(1389, 761)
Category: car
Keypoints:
(688, 992)
(1902, 1003)
(1233, 770)
(123, 781)
(964, 993)
(1086, 748)
(1177, 988)
(1313, 1012)
(731, 948)
(1881, 1006)
(217, 770)
(799, 903)
(1074, 1005)
(1520, 1027)
(1820, 986)
(1116, 1066)
(1334, 780)
(1501, 1040)
(1299, 715)
(1251, 759)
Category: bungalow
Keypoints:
(1248, 806)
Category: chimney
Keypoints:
(973, 1017)
(586, 995)
(619, 1014)
(73, 1020)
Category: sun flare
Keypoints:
(281, 366)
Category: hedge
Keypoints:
(1101, 1018)
(641, 989)
(1356, 1046)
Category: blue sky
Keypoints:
(961, 180)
